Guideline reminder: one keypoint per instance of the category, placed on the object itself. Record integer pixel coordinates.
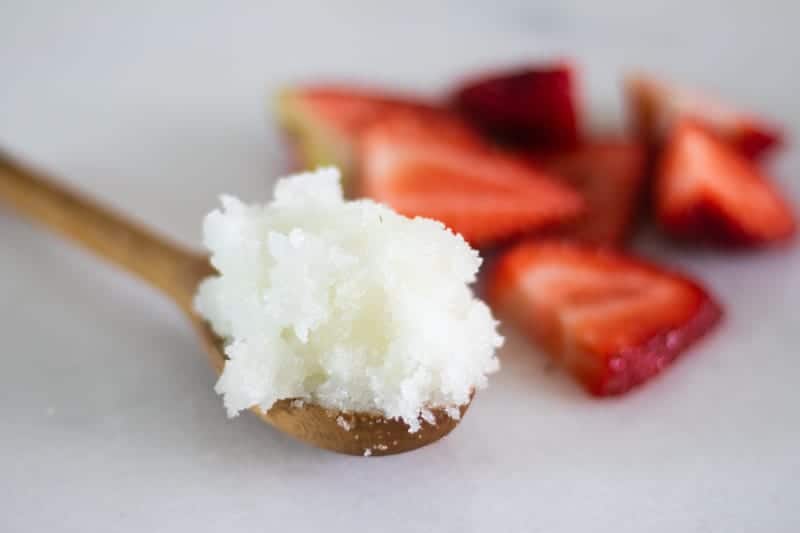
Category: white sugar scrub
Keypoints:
(344, 304)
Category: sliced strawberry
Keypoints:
(531, 108)
(656, 107)
(613, 321)
(323, 122)
(610, 176)
(707, 191)
(436, 169)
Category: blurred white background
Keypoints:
(108, 420)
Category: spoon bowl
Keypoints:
(344, 432)
(177, 272)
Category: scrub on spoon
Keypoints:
(177, 272)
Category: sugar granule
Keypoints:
(345, 304)
(342, 423)
(453, 412)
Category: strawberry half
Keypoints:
(440, 170)
(610, 176)
(707, 191)
(613, 321)
(656, 107)
(530, 108)
(324, 122)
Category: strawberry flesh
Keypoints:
(707, 191)
(612, 320)
(610, 175)
(529, 108)
(440, 169)
(656, 107)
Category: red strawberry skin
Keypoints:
(610, 175)
(350, 109)
(530, 108)
(656, 107)
(706, 191)
(323, 122)
(441, 169)
(612, 320)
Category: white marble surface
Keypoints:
(107, 419)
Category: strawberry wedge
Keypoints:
(323, 122)
(656, 107)
(706, 191)
(613, 321)
(531, 108)
(437, 169)
(610, 175)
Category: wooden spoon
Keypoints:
(177, 271)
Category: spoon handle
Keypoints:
(167, 266)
